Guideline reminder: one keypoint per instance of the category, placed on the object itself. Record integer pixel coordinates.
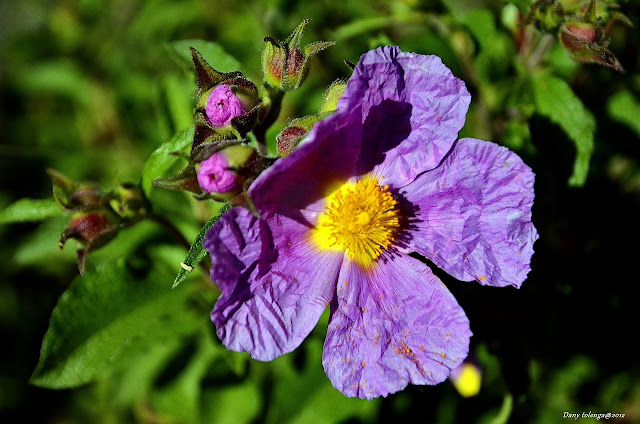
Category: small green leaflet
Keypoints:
(556, 101)
(161, 160)
(30, 210)
(196, 252)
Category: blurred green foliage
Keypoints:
(98, 89)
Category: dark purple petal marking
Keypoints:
(326, 157)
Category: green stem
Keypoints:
(178, 236)
(540, 51)
(274, 104)
(172, 229)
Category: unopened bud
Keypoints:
(222, 106)
(128, 202)
(274, 56)
(573, 29)
(73, 195)
(93, 229)
(294, 133)
(284, 63)
(215, 176)
(289, 138)
(85, 227)
(222, 174)
(228, 103)
(585, 42)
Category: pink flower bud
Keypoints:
(222, 106)
(214, 175)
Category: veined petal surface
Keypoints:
(473, 216)
(274, 287)
(392, 325)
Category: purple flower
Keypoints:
(214, 175)
(382, 177)
(222, 106)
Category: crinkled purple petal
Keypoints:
(412, 109)
(393, 325)
(273, 286)
(474, 214)
(327, 156)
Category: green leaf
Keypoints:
(481, 24)
(625, 108)
(179, 99)
(58, 77)
(137, 379)
(196, 252)
(242, 404)
(215, 55)
(108, 318)
(162, 161)
(556, 101)
(30, 210)
(40, 248)
(304, 395)
(185, 390)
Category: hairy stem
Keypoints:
(540, 51)
(273, 104)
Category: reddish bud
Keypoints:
(292, 135)
(289, 138)
(92, 229)
(585, 42)
(73, 195)
(285, 63)
(85, 227)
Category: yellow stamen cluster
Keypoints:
(360, 219)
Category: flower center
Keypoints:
(360, 219)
